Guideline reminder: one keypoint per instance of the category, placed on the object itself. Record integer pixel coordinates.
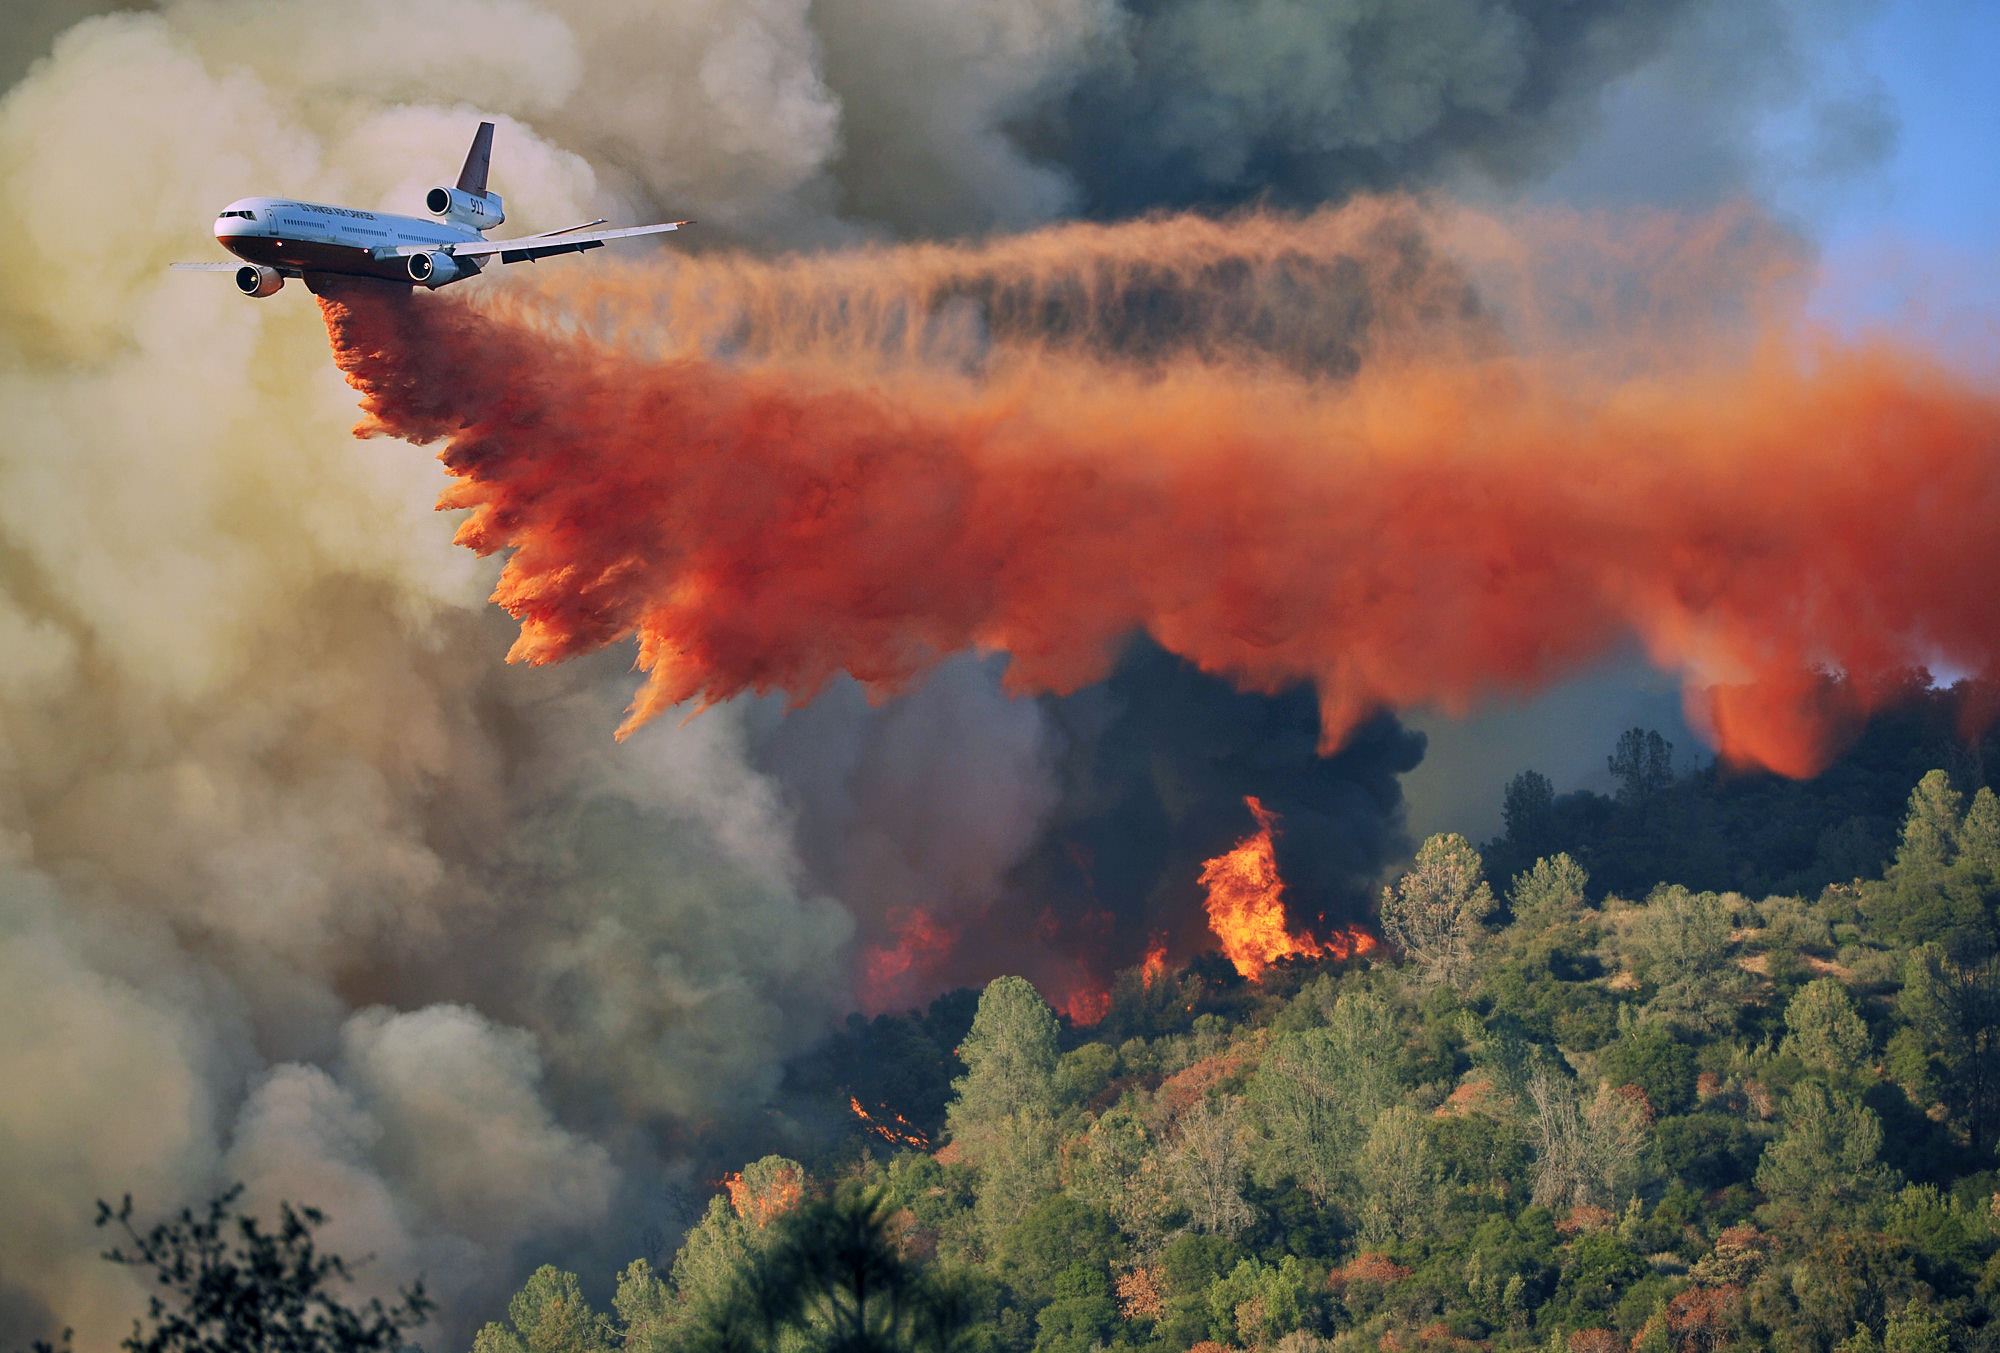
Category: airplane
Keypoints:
(277, 237)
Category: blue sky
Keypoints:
(1940, 62)
(1916, 241)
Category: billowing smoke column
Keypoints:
(943, 450)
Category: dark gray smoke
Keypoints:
(1157, 763)
(1060, 838)
(1215, 101)
(1110, 109)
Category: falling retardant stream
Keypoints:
(1409, 454)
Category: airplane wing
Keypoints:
(531, 247)
(205, 267)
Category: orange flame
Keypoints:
(778, 1194)
(1349, 943)
(1156, 963)
(894, 974)
(902, 1132)
(1246, 907)
(1086, 1006)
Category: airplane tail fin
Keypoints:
(472, 178)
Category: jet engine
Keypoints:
(481, 211)
(254, 279)
(436, 268)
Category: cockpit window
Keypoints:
(246, 215)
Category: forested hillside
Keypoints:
(1546, 1113)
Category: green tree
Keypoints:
(1930, 831)
(646, 1309)
(832, 1280)
(1018, 1166)
(1257, 1304)
(1117, 1165)
(1078, 1320)
(1917, 1328)
(1841, 1280)
(1317, 1092)
(715, 1251)
(1650, 1057)
(1188, 1268)
(1936, 890)
(1040, 1254)
(1528, 813)
(1979, 838)
(1010, 1061)
(1643, 765)
(1951, 1045)
(1549, 893)
(548, 1315)
(1824, 1162)
(1398, 1176)
(230, 1284)
(1596, 1270)
(1825, 1032)
(1084, 1071)
(1683, 941)
(1004, 1117)
(1434, 913)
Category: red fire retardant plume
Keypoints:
(1406, 454)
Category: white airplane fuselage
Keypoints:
(297, 238)
(280, 237)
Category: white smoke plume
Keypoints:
(299, 884)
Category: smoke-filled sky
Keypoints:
(302, 884)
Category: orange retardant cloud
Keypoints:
(1408, 454)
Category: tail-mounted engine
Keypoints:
(254, 279)
(436, 268)
(481, 211)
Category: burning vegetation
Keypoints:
(1246, 908)
(890, 1126)
(766, 1190)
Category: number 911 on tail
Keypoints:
(280, 237)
